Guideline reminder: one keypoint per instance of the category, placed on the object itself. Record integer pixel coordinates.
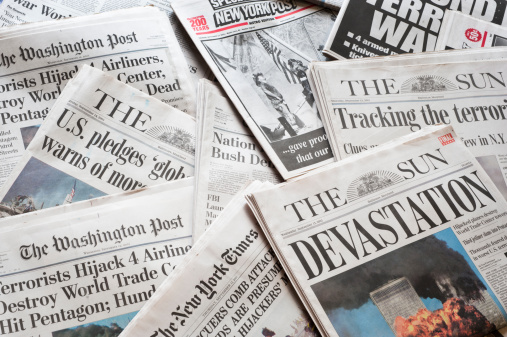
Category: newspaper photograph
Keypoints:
(35, 67)
(461, 31)
(87, 268)
(101, 137)
(366, 28)
(14, 12)
(259, 51)
(468, 95)
(414, 246)
(229, 156)
(230, 283)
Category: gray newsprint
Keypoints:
(101, 137)
(259, 51)
(14, 12)
(461, 31)
(87, 268)
(469, 95)
(37, 62)
(366, 28)
(229, 284)
(408, 239)
(229, 156)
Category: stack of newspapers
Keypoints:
(246, 168)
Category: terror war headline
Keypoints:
(370, 231)
(232, 11)
(60, 49)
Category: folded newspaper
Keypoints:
(461, 31)
(101, 137)
(229, 284)
(14, 12)
(368, 102)
(86, 269)
(228, 157)
(367, 28)
(413, 245)
(259, 51)
(36, 61)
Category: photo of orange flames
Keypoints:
(455, 319)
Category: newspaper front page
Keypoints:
(229, 284)
(34, 69)
(229, 156)
(460, 31)
(409, 239)
(366, 28)
(14, 12)
(375, 103)
(101, 137)
(259, 51)
(86, 269)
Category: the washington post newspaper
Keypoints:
(14, 12)
(461, 31)
(372, 103)
(101, 137)
(259, 51)
(409, 239)
(229, 284)
(367, 28)
(229, 156)
(85, 269)
(36, 61)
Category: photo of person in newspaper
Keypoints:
(428, 288)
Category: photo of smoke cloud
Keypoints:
(271, 64)
(111, 327)
(41, 186)
(492, 168)
(27, 133)
(427, 288)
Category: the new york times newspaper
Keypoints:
(102, 137)
(229, 284)
(86, 269)
(229, 156)
(468, 95)
(461, 31)
(36, 64)
(14, 12)
(259, 51)
(414, 245)
(367, 28)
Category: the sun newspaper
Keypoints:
(87, 268)
(136, 46)
(259, 51)
(103, 137)
(408, 239)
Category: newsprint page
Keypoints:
(229, 156)
(415, 246)
(229, 284)
(34, 68)
(101, 137)
(366, 28)
(88, 267)
(259, 51)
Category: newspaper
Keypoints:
(259, 52)
(37, 60)
(230, 283)
(85, 269)
(101, 137)
(331, 4)
(467, 94)
(366, 28)
(408, 239)
(16, 12)
(461, 31)
(229, 156)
